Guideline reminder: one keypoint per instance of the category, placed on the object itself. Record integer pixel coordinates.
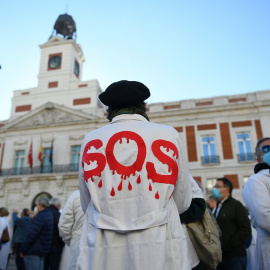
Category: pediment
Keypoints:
(50, 114)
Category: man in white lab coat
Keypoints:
(256, 195)
(134, 182)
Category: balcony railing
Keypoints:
(206, 160)
(40, 170)
(246, 157)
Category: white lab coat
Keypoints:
(70, 226)
(131, 169)
(4, 252)
(256, 195)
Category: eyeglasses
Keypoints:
(266, 148)
(217, 186)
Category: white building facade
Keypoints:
(220, 133)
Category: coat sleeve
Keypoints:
(17, 220)
(257, 199)
(183, 190)
(197, 207)
(67, 219)
(243, 224)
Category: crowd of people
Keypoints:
(135, 201)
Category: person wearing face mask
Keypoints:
(256, 195)
(232, 218)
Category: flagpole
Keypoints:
(51, 154)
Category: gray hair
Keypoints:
(55, 201)
(44, 202)
(258, 151)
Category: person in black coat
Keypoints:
(52, 260)
(232, 218)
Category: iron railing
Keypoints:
(40, 169)
(210, 160)
(246, 157)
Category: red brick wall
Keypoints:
(226, 140)
(191, 143)
(234, 179)
(172, 107)
(207, 127)
(242, 124)
(81, 101)
(52, 84)
(258, 129)
(23, 108)
(179, 129)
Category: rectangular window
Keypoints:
(244, 147)
(210, 182)
(209, 150)
(75, 157)
(19, 162)
(47, 166)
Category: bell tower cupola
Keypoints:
(61, 57)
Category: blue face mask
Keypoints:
(266, 158)
(216, 193)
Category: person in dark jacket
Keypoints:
(38, 240)
(52, 260)
(232, 218)
(21, 225)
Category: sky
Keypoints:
(180, 49)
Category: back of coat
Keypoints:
(134, 182)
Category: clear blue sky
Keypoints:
(179, 49)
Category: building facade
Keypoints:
(50, 121)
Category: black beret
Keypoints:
(124, 93)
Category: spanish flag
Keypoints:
(30, 156)
(40, 157)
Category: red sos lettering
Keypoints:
(114, 165)
(91, 157)
(126, 171)
(173, 167)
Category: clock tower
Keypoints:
(61, 63)
(61, 57)
(60, 76)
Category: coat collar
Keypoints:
(125, 117)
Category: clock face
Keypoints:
(76, 68)
(55, 61)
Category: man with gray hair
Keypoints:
(52, 260)
(38, 239)
(256, 195)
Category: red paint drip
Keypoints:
(157, 195)
(127, 140)
(167, 149)
(139, 179)
(120, 141)
(129, 186)
(125, 177)
(99, 175)
(112, 192)
(100, 183)
(150, 187)
(92, 179)
(120, 185)
(113, 172)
